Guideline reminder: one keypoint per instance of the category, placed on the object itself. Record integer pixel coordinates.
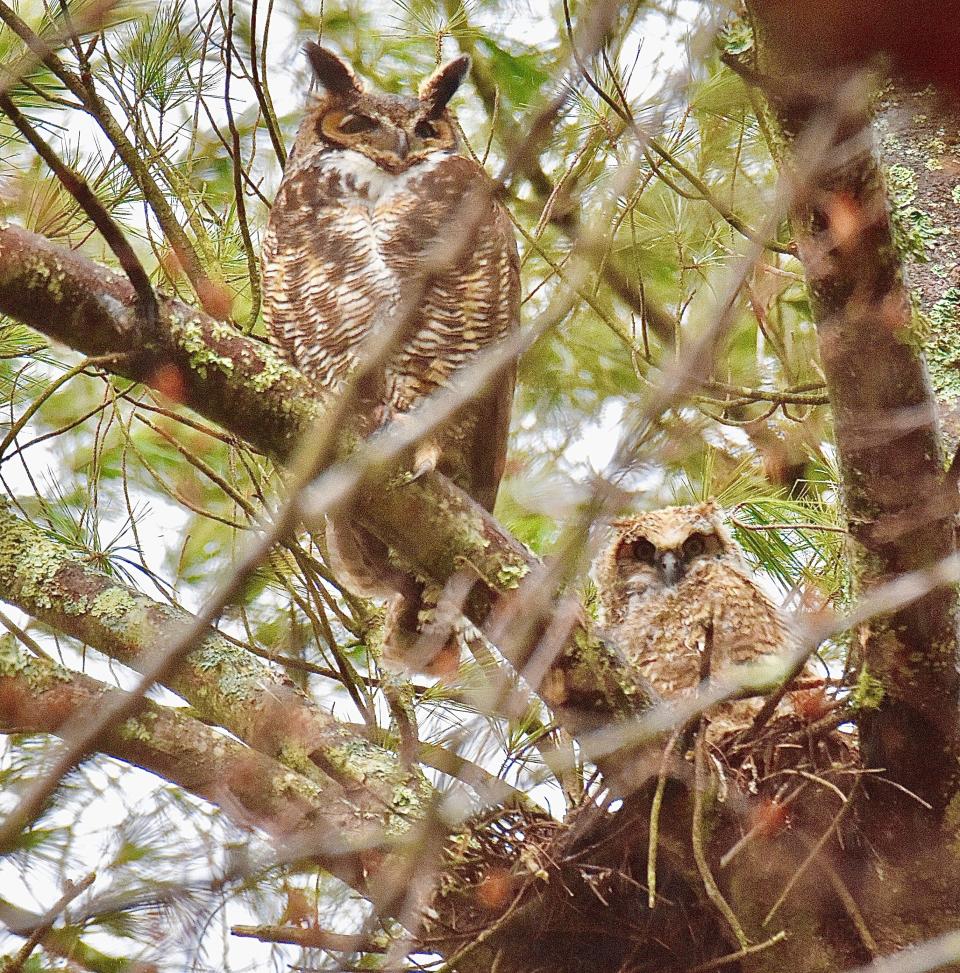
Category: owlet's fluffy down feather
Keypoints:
(671, 582)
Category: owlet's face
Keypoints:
(394, 132)
(651, 554)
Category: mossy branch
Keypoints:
(39, 696)
(241, 384)
(224, 684)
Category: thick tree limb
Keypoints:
(919, 143)
(307, 819)
(899, 504)
(224, 684)
(241, 384)
(37, 696)
(236, 381)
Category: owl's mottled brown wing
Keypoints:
(342, 251)
(490, 455)
(470, 307)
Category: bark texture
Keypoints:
(899, 502)
(918, 135)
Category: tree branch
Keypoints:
(225, 684)
(66, 942)
(37, 696)
(46, 921)
(242, 385)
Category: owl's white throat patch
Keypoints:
(377, 182)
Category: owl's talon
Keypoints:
(425, 460)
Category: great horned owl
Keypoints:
(374, 186)
(673, 581)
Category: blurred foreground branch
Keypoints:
(242, 385)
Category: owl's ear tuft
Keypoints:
(332, 71)
(442, 85)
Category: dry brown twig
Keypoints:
(70, 892)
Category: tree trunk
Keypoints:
(899, 502)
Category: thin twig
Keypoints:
(93, 103)
(70, 892)
(655, 806)
(11, 626)
(310, 937)
(715, 964)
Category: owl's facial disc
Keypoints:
(392, 131)
(394, 144)
(645, 560)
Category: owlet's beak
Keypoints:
(669, 566)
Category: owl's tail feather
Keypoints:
(361, 563)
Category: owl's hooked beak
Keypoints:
(670, 566)
(393, 142)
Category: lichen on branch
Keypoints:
(241, 384)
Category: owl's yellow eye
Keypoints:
(356, 124)
(424, 130)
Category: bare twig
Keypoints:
(95, 106)
(70, 892)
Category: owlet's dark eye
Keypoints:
(640, 550)
(424, 130)
(694, 546)
(355, 124)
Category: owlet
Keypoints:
(673, 585)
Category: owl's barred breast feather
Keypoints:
(344, 240)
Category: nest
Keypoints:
(780, 774)
(574, 895)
